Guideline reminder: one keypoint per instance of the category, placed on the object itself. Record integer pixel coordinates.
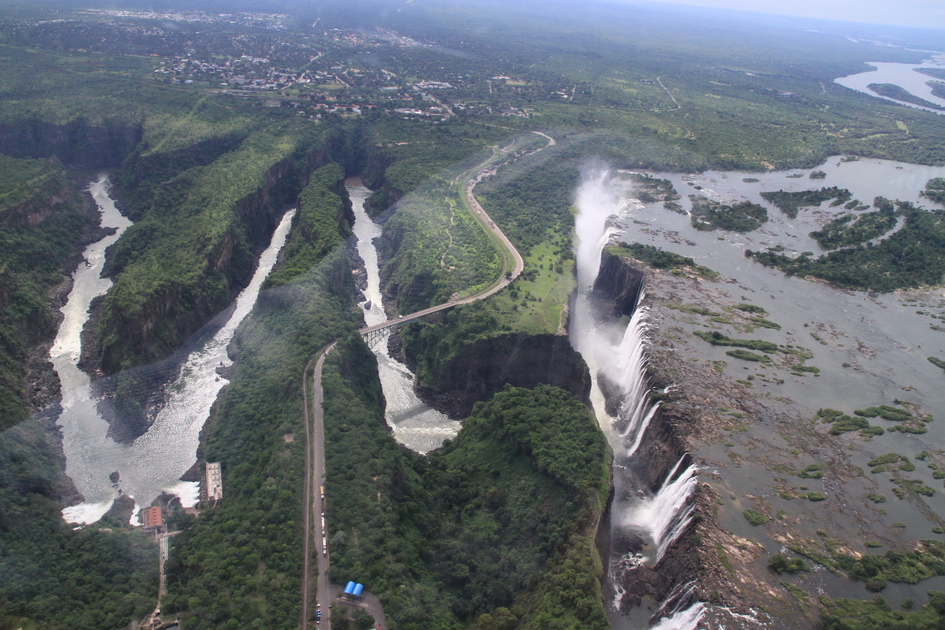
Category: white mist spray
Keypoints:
(618, 354)
(595, 202)
(666, 514)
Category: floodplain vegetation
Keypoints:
(912, 256)
(661, 259)
(791, 202)
(708, 215)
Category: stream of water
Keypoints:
(156, 460)
(415, 425)
(905, 75)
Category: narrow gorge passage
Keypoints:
(416, 425)
(154, 462)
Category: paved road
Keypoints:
(314, 482)
(314, 420)
(486, 221)
(307, 501)
(318, 478)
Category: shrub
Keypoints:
(812, 471)
(745, 355)
(780, 563)
(888, 458)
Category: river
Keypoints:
(902, 74)
(870, 350)
(415, 425)
(156, 460)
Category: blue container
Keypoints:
(358, 589)
(349, 588)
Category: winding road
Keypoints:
(513, 265)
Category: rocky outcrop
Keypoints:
(483, 368)
(620, 281)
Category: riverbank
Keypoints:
(155, 461)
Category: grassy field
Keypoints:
(537, 302)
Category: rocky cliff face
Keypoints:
(155, 333)
(77, 144)
(155, 337)
(175, 311)
(698, 566)
(51, 224)
(619, 281)
(618, 289)
(384, 195)
(141, 175)
(34, 211)
(520, 360)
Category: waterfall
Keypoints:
(666, 515)
(677, 599)
(683, 620)
(627, 371)
(616, 355)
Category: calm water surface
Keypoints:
(901, 74)
(884, 339)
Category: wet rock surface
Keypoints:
(749, 440)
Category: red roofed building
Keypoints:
(153, 518)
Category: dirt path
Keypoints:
(450, 235)
(660, 81)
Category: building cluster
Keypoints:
(268, 20)
(335, 71)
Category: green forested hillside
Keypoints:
(194, 245)
(241, 560)
(491, 522)
(42, 218)
(54, 576)
(321, 227)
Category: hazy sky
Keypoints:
(923, 13)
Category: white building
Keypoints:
(214, 482)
